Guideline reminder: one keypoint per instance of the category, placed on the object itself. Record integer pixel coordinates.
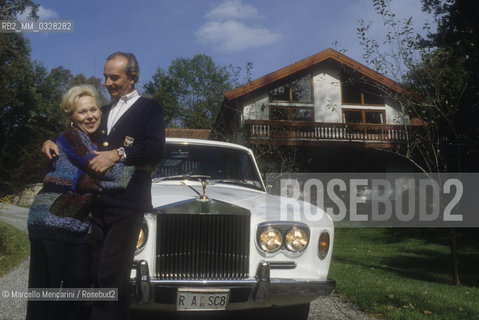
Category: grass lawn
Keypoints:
(406, 273)
(14, 247)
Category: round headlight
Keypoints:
(140, 242)
(270, 240)
(296, 239)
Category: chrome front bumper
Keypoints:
(262, 291)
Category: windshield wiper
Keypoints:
(182, 177)
(236, 182)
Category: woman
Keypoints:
(58, 224)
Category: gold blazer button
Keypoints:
(105, 144)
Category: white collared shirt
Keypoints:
(120, 108)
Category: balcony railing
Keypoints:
(296, 132)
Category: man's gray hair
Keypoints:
(132, 65)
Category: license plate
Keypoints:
(202, 299)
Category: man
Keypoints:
(132, 130)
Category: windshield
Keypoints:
(221, 165)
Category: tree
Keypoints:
(29, 104)
(456, 50)
(457, 30)
(9, 9)
(29, 117)
(45, 120)
(434, 89)
(456, 46)
(17, 88)
(191, 91)
(438, 86)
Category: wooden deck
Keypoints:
(312, 133)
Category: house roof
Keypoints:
(188, 133)
(309, 62)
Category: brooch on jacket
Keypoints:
(128, 141)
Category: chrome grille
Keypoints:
(202, 246)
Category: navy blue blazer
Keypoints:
(141, 132)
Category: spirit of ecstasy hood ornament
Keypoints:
(204, 180)
(204, 183)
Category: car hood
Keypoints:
(175, 197)
(171, 193)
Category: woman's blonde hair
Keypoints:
(70, 99)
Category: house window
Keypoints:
(363, 116)
(291, 113)
(299, 90)
(357, 94)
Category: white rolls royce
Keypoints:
(216, 239)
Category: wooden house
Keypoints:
(326, 103)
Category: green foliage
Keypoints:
(9, 9)
(14, 247)
(6, 200)
(29, 106)
(440, 73)
(442, 89)
(191, 91)
(404, 273)
(454, 63)
(17, 101)
(457, 31)
(400, 40)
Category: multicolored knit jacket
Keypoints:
(61, 208)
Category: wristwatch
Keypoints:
(121, 153)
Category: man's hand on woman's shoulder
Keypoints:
(50, 149)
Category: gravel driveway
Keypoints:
(332, 307)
